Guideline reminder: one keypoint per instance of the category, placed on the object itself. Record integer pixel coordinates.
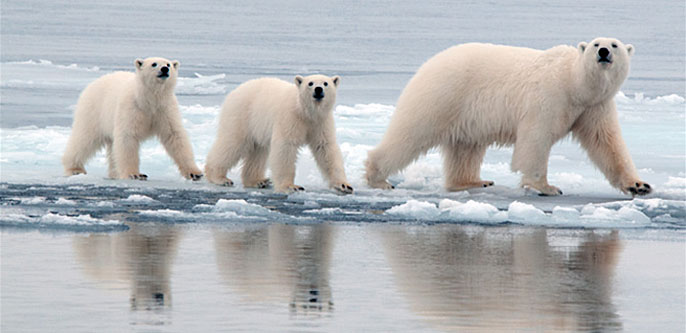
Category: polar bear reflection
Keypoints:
(487, 279)
(278, 263)
(141, 257)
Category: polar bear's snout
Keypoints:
(164, 72)
(604, 55)
(318, 93)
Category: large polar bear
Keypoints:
(473, 95)
(267, 120)
(121, 109)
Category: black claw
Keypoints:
(392, 187)
(638, 185)
(195, 177)
(228, 183)
(632, 190)
(559, 191)
(646, 185)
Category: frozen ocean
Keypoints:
(86, 253)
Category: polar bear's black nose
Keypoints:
(318, 93)
(603, 52)
(165, 70)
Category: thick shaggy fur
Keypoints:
(473, 95)
(265, 121)
(119, 111)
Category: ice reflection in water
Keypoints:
(487, 280)
(276, 262)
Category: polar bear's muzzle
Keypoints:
(604, 56)
(318, 93)
(164, 73)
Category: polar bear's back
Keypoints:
(98, 102)
(482, 87)
(254, 106)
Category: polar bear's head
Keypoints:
(606, 54)
(317, 92)
(604, 67)
(157, 72)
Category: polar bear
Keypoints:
(473, 95)
(121, 109)
(266, 121)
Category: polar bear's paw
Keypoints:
(263, 183)
(75, 171)
(195, 177)
(384, 185)
(637, 188)
(289, 188)
(295, 188)
(544, 190)
(138, 176)
(344, 188)
(466, 186)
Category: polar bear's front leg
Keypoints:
(175, 140)
(599, 133)
(125, 149)
(329, 159)
(530, 157)
(282, 158)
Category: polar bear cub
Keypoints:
(473, 95)
(266, 121)
(121, 109)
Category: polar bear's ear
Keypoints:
(298, 80)
(630, 49)
(336, 80)
(176, 64)
(138, 63)
(582, 47)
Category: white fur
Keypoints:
(473, 95)
(266, 121)
(121, 109)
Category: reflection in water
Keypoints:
(487, 279)
(141, 257)
(278, 262)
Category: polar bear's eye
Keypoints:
(154, 64)
(326, 84)
(614, 45)
(596, 44)
(310, 84)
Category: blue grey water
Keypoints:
(88, 254)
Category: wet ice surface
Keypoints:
(86, 253)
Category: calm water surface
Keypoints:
(341, 277)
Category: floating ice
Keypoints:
(200, 85)
(48, 63)
(65, 202)
(526, 213)
(471, 211)
(417, 210)
(82, 223)
(139, 199)
(242, 208)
